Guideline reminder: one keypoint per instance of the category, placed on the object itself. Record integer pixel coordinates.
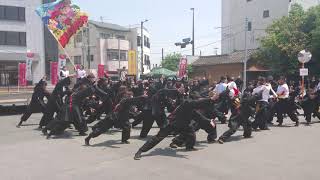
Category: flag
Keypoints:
(54, 72)
(62, 19)
(29, 66)
(183, 67)
(22, 74)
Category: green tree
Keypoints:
(171, 61)
(285, 38)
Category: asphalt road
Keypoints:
(286, 153)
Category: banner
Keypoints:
(54, 72)
(22, 74)
(100, 71)
(29, 60)
(183, 67)
(132, 63)
(62, 61)
(63, 19)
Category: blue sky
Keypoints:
(169, 21)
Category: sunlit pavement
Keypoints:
(287, 153)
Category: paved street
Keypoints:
(282, 153)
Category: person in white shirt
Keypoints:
(262, 106)
(233, 87)
(283, 105)
(123, 74)
(81, 73)
(222, 86)
(64, 73)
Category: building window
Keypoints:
(11, 38)
(104, 36)
(145, 40)
(113, 55)
(249, 0)
(266, 14)
(77, 59)
(12, 13)
(120, 37)
(78, 38)
(139, 41)
(147, 60)
(249, 26)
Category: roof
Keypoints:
(235, 57)
(109, 26)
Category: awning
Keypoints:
(257, 69)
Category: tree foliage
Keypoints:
(171, 61)
(289, 35)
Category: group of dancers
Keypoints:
(180, 108)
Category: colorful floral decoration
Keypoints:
(63, 19)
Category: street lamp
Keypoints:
(192, 9)
(304, 57)
(142, 44)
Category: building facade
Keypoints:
(107, 44)
(19, 32)
(259, 13)
(136, 41)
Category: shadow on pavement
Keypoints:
(166, 152)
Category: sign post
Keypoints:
(304, 57)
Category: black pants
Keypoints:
(234, 123)
(262, 116)
(205, 124)
(148, 120)
(284, 106)
(187, 133)
(78, 120)
(33, 107)
(107, 123)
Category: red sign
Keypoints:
(22, 74)
(100, 70)
(183, 67)
(54, 72)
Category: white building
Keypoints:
(136, 45)
(18, 24)
(260, 14)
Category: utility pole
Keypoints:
(162, 54)
(142, 44)
(89, 54)
(119, 55)
(193, 41)
(246, 55)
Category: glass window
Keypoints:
(113, 55)
(77, 59)
(249, 26)
(120, 37)
(12, 38)
(22, 39)
(2, 38)
(12, 13)
(78, 38)
(2, 12)
(266, 14)
(22, 14)
(138, 41)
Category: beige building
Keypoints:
(106, 44)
